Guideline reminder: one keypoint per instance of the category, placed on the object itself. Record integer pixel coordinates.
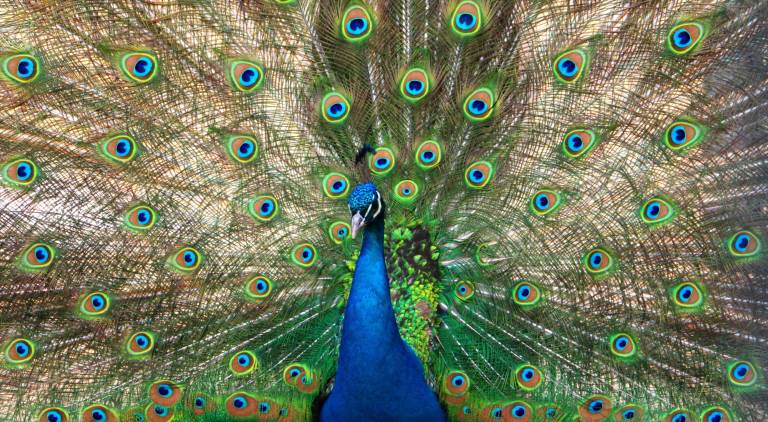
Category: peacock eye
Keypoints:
(53, 414)
(406, 192)
(526, 294)
(464, 290)
(742, 373)
(656, 211)
(246, 76)
(140, 218)
(415, 85)
(119, 148)
(139, 67)
(164, 393)
(21, 68)
(99, 413)
(304, 255)
(630, 412)
(744, 244)
(466, 19)
(19, 351)
(679, 415)
(596, 405)
(623, 346)
(456, 383)
(264, 208)
(570, 66)
(685, 37)
(356, 24)
(598, 261)
(687, 296)
(577, 142)
(335, 108)
(528, 377)
(338, 231)
(186, 260)
(382, 161)
(429, 154)
(140, 344)
(95, 304)
(258, 288)
(242, 148)
(518, 410)
(479, 105)
(241, 404)
(199, 402)
(683, 134)
(478, 174)
(20, 173)
(243, 363)
(37, 257)
(335, 185)
(545, 202)
(716, 414)
(293, 373)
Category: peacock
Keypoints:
(383, 210)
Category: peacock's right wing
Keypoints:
(169, 250)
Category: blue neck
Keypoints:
(379, 377)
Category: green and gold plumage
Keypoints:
(577, 204)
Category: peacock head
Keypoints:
(366, 206)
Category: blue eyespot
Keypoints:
(741, 242)
(567, 67)
(164, 390)
(249, 77)
(23, 171)
(477, 176)
(98, 415)
(628, 415)
(98, 302)
(261, 286)
(246, 149)
(684, 294)
(739, 372)
(53, 416)
(715, 416)
(342, 232)
(414, 87)
(42, 254)
(678, 135)
(264, 407)
(528, 374)
(161, 411)
(199, 402)
(244, 359)
(123, 148)
(523, 293)
(190, 258)
(496, 412)
(357, 26)
(143, 216)
(575, 143)
(239, 402)
(142, 67)
(458, 381)
(337, 110)
(682, 38)
(518, 411)
(142, 340)
(428, 156)
(465, 21)
(25, 68)
(595, 406)
(22, 349)
(478, 107)
(595, 260)
(653, 209)
(338, 186)
(266, 207)
(680, 417)
(382, 163)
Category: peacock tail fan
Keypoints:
(576, 198)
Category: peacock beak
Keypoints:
(358, 221)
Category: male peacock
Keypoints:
(564, 214)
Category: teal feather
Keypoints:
(114, 168)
